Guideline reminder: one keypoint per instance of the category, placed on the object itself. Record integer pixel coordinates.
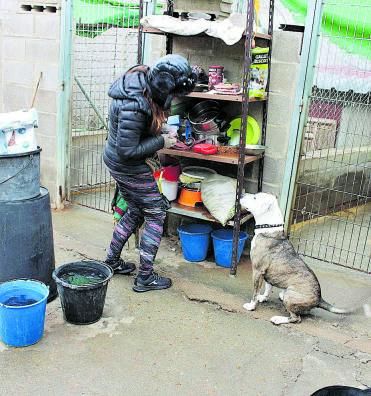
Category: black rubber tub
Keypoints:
(26, 240)
(82, 288)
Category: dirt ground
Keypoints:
(194, 339)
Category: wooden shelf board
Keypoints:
(223, 158)
(201, 213)
(158, 31)
(214, 96)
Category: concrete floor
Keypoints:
(194, 339)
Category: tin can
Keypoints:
(216, 75)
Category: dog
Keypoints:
(339, 390)
(275, 261)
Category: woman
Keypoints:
(140, 101)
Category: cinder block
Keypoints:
(280, 108)
(18, 72)
(47, 25)
(283, 77)
(13, 48)
(48, 145)
(50, 77)
(226, 8)
(44, 2)
(18, 25)
(270, 188)
(273, 169)
(8, 5)
(43, 50)
(251, 186)
(46, 101)
(197, 5)
(277, 138)
(286, 46)
(47, 125)
(16, 97)
(48, 174)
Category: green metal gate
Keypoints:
(105, 42)
(330, 214)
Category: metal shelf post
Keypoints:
(245, 112)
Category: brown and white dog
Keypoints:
(275, 261)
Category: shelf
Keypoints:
(202, 213)
(229, 98)
(158, 31)
(223, 158)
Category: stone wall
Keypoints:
(29, 45)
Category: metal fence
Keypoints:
(331, 213)
(105, 43)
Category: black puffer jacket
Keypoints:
(130, 141)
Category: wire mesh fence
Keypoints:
(104, 46)
(331, 214)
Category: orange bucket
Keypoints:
(189, 197)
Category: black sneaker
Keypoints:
(154, 281)
(120, 266)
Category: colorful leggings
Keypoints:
(145, 203)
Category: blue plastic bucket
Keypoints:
(223, 246)
(22, 312)
(195, 241)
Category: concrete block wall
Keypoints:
(284, 75)
(212, 6)
(29, 45)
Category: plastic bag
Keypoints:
(219, 197)
(21, 140)
(17, 133)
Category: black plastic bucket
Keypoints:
(20, 176)
(82, 303)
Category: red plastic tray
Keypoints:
(205, 148)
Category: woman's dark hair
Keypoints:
(159, 115)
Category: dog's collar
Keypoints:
(260, 226)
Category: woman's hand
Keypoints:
(169, 140)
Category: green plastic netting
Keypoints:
(93, 17)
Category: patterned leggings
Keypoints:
(145, 204)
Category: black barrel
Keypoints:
(26, 241)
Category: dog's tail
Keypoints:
(328, 307)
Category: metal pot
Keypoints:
(205, 117)
(205, 106)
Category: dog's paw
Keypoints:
(250, 306)
(262, 298)
(278, 320)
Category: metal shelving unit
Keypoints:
(239, 159)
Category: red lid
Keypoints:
(205, 148)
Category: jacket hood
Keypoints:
(170, 76)
(128, 86)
